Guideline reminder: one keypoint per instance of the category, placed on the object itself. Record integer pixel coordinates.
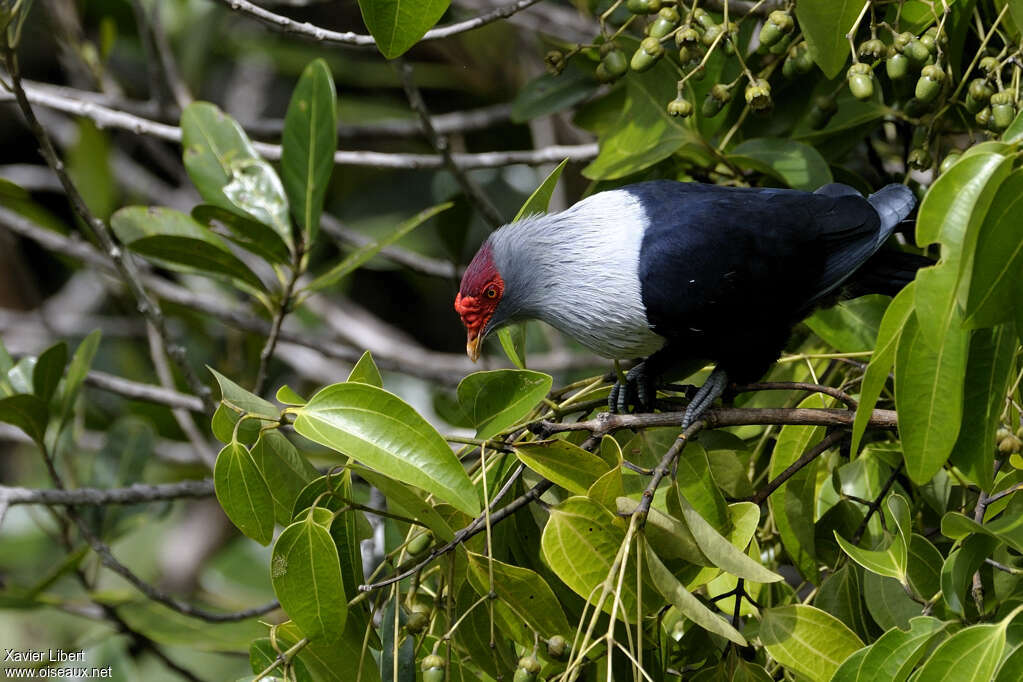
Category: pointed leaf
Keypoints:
(798, 165)
(243, 493)
(397, 25)
(196, 253)
(894, 655)
(998, 258)
(308, 144)
(540, 199)
(563, 463)
(77, 370)
(48, 371)
(825, 23)
(380, 430)
(404, 500)
(245, 231)
(890, 560)
(497, 399)
(306, 576)
(524, 591)
(286, 471)
(365, 371)
(807, 640)
(28, 412)
(970, 655)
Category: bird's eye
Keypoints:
(491, 292)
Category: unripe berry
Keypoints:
(861, 81)
(872, 49)
(432, 662)
(920, 158)
(420, 543)
(680, 107)
(798, 62)
(949, 160)
(902, 40)
(556, 646)
(897, 66)
(777, 25)
(821, 112)
(687, 35)
(703, 18)
(715, 101)
(711, 34)
(758, 95)
(983, 117)
(647, 54)
(666, 21)
(555, 60)
(417, 622)
(980, 90)
(928, 86)
(643, 6)
(615, 64)
(530, 664)
(917, 52)
(1002, 110)
(989, 65)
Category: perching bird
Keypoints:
(680, 272)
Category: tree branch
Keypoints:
(144, 392)
(794, 468)
(137, 493)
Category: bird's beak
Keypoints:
(473, 346)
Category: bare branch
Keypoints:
(411, 260)
(794, 468)
(107, 117)
(95, 497)
(144, 392)
(348, 38)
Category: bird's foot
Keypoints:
(711, 390)
(638, 391)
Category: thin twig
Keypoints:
(149, 393)
(875, 505)
(813, 453)
(137, 493)
(799, 386)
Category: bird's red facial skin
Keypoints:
(481, 291)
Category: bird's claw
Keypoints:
(638, 391)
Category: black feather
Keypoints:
(725, 273)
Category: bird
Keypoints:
(681, 274)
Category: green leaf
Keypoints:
(721, 552)
(246, 232)
(496, 399)
(227, 171)
(195, 253)
(890, 560)
(365, 372)
(339, 661)
(540, 199)
(824, 24)
(894, 655)
(173, 239)
(798, 165)
(398, 658)
(697, 484)
(308, 144)
(524, 591)
(841, 595)
(513, 342)
(244, 401)
(988, 372)
(688, 605)
(881, 361)
(1011, 669)
(243, 493)
(807, 640)
(793, 502)
(550, 93)
(579, 543)
(168, 627)
(262, 655)
(397, 25)
(970, 655)
(286, 471)
(361, 255)
(958, 569)
(287, 396)
(644, 133)
(404, 500)
(28, 412)
(306, 576)
(48, 371)
(888, 603)
(671, 538)
(851, 326)
(998, 259)
(563, 463)
(380, 430)
(929, 395)
(77, 370)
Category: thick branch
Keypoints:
(96, 497)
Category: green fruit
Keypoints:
(417, 622)
(680, 107)
(821, 112)
(647, 54)
(643, 6)
(990, 65)
(780, 47)
(770, 34)
(690, 55)
(433, 675)
(897, 66)
(861, 81)
(711, 106)
(782, 19)
(431, 662)
(917, 52)
(523, 676)
(1009, 445)
(703, 18)
(666, 21)
(711, 34)
(1002, 110)
(928, 41)
(980, 90)
(687, 35)
(949, 160)
(530, 664)
(555, 60)
(902, 40)
(420, 543)
(920, 158)
(983, 117)
(615, 63)
(872, 49)
(928, 86)
(556, 646)
(798, 62)
(758, 95)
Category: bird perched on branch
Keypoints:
(679, 272)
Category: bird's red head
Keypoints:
(481, 291)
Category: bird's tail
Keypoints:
(892, 203)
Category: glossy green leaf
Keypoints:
(28, 412)
(923, 567)
(77, 370)
(550, 93)
(799, 165)
(1011, 669)
(524, 591)
(988, 372)
(540, 199)
(894, 655)
(496, 399)
(227, 171)
(889, 560)
(262, 655)
(851, 326)
(286, 471)
(793, 502)
(644, 133)
(691, 607)
(696, 483)
(1008, 527)
(824, 24)
(841, 595)
(382, 431)
(243, 400)
(306, 576)
(245, 231)
(361, 255)
(243, 493)
(970, 655)
(882, 360)
(308, 144)
(513, 343)
(579, 543)
(406, 501)
(998, 258)
(958, 569)
(807, 640)
(365, 371)
(48, 371)
(670, 537)
(929, 395)
(888, 603)
(287, 396)
(563, 463)
(397, 25)
(337, 661)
